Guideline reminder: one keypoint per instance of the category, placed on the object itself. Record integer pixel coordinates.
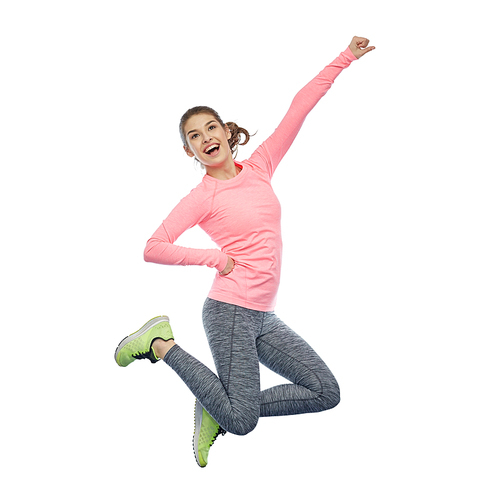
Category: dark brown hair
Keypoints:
(236, 132)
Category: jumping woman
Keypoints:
(236, 206)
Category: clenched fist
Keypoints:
(359, 46)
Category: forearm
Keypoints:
(162, 251)
(309, 96)
(276, 146)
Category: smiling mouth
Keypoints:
(212, 150)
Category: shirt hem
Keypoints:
(241, 303)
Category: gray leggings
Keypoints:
(239, 339)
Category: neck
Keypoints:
(223, 172)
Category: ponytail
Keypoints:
(235, 139)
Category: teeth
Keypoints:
(210, 149)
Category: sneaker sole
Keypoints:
(138, 333)
(198, 415)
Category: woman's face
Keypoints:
(207, 140)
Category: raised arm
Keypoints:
(270, 152)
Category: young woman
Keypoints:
(236, 206)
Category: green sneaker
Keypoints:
(138, 345)
(206, 430)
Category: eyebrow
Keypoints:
(208, 123)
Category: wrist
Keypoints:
(222, 261)
(349, 54)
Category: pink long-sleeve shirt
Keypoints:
(242, 215)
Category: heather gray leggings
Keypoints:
(239, 338)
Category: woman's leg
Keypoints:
(233, 398)
(313, 386)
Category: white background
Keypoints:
(390, 225)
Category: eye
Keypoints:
(194, 136)
(211, 127)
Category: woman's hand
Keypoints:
(359, 46)
(229, 267)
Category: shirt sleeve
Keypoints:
(160, 248)
(270, 152)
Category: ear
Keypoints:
(188, 152)
(228, 132)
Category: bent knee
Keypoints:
(242, 425)
(331, 393)
(332, 401)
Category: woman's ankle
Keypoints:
(161, 347)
